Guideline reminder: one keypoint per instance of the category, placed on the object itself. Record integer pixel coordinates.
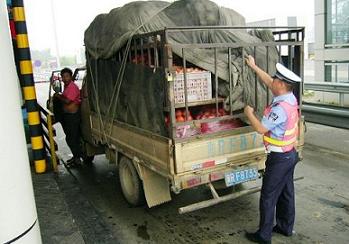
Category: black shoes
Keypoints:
(73, 162)
(276, 229)
(254, 237)
(70, 160)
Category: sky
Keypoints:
(72, 17)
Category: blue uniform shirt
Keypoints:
(275, 121)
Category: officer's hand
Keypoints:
(250, 61)
(248, 110)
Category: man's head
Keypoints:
(280, 87)
(67, 75)
(284, 80)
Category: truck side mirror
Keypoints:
(57, 86)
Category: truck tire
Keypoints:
(131, 184)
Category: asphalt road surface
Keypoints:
(101, 215)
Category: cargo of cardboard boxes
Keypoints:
(199, 89)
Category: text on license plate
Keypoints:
(240, 176)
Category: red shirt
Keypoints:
(72, 92)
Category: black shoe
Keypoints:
(277, 229)
(70, 160)
(70, 164)
(254, 237)
(78, 162)
(73, 162)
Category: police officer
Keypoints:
(279, 127)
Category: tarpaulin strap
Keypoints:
(96, 94)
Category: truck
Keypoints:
(164, 101)
(151, 164)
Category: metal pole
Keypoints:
(51, 134)
(55, 34)
(266, 87)
(18, 217)
(230, 83)
(216, 79)
(244, 99)
(255, 80)
(341, 99)
(185, 85)
(280, 49)
(301, 74)
(26, 75)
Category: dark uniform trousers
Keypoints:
(71, 128)
(278, 191)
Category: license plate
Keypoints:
(240, 176)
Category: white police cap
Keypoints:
(286, 75)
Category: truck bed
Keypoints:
(207, 157)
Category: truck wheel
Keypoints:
(131, 184)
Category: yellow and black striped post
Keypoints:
(27, 81)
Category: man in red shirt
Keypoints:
(70, 98)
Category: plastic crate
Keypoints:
(198, 87)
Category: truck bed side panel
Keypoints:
(210, 152)
(152, 150)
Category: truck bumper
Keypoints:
(219, 199)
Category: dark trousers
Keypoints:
(278, 192)
(71, 127)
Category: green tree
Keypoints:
(67, 60)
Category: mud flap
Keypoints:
(156, 187)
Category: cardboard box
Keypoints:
(198, 87)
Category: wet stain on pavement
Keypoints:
(303, 238)
(346, 207)
(142, 232)
(341, 225)
(332, 203)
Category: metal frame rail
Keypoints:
(220, 199)
(326, 114)
(160, 55)
(340, 88)
(47, 119)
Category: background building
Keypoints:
(308, 41)
(332, 41)
(331, 48)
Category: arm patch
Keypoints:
(273, 116)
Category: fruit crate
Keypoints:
(198, 87)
